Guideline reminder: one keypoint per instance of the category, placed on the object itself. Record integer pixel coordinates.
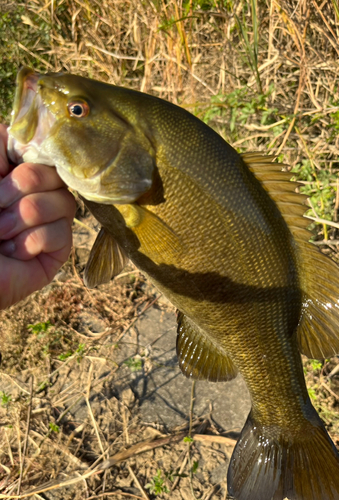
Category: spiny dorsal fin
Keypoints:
(318, 330)
(106, 260)
(157, 240)
(199, 357)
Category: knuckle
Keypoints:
(31, 177)
(30, 209)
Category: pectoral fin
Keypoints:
(157, 240)
(106, 260)
(199, 357)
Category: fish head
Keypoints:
(76, 125)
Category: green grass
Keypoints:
(15, 31)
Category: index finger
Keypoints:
(4, 164)
(28, 178)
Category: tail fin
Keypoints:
(266, 465)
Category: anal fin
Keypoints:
(106, 260)
(199, 357)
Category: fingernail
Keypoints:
(7, 248)
(7, 223)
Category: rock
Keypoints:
(90, 323)
(164, 393)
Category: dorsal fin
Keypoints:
(199, 357)
(278, 185)
(318, 330)
(106, 260)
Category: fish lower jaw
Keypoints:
(90, 188)
(28, 153)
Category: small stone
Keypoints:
(91, 323)
(127, 397)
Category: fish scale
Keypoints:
(223, 237)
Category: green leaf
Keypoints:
(188, 439)
(54, 427)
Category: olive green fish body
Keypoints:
(223, 238)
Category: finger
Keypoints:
(54, 238)
(25, 179)
(4, 164)
(19, 278)
(35, 210)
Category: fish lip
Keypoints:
(27, 82)
(28, 100)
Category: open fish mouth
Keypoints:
(61, 121)
(31, 121)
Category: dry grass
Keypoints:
(271, 85)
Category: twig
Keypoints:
(334, 371)
(189, 442)
(116, 56)
(140, 448)
(135, 479)
(208, 438)
(85, 226)
(35, 56)
(124, 419)
(211, 491)
(325, 242)
(323, 221)
(87, 396)
(29, 412)
(330, 390)
(116, 492)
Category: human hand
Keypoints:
(36, 214)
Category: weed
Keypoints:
(5, 398)
(195, 466)
(157, 485)
(312, 393)
(239, 107)
(79, 352)
(251, 47)
(40, 328)
(188, 439)
(319, 186)
(43, 385)
(53, 427)
(65, 355)
(134, 364)
(315, 364)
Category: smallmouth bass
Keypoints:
(223, 237)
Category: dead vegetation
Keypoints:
(264, 74)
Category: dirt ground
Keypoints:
(72, 424)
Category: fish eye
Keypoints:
(79, 109)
